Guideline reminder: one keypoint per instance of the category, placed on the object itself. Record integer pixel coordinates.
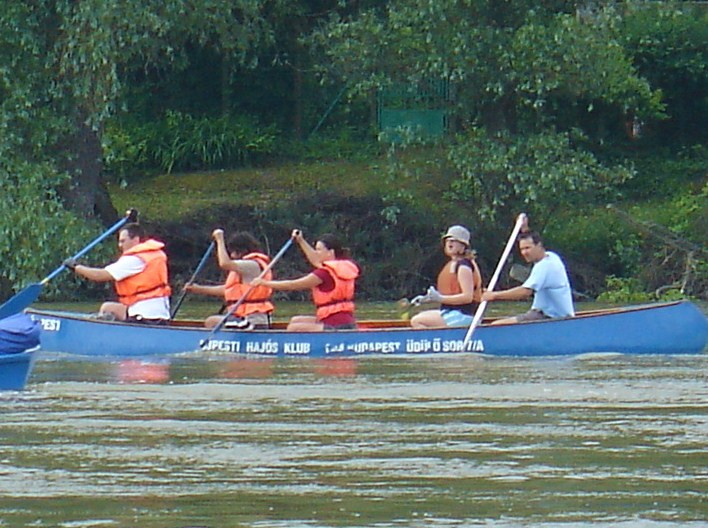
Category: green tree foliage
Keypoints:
(533, 86)
(62, 68)
(274, 86)
(36, 232)
(100, 41)
(527, 172)
(669, 45)
(32, 219)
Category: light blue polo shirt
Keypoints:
(549, 281)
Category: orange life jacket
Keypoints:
(150, 283)
(449, 283)
(258, 301)
(341, 298)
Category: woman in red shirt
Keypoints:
(332, 283)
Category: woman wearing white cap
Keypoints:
(459, 286)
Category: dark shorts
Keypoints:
(347, 326)
(531, 315)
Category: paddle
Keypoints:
(405, 305)
(24, 298)
(193, 277)
(493, 282)
(238, 303)
(519, 272)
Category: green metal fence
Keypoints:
(419, 108)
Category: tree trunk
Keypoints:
(297, 97)
(500, 115)
(225, 85)
(87, 194)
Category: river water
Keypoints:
(384, 442)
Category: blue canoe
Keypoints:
(669, 328)
(19, 340)
(16, 368)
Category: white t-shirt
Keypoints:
(127, 266)
(549, 281)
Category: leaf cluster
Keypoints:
(35, 230)
(544, 56)
(534, 172)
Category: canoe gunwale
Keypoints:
(366, 325)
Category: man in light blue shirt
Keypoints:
(548, 283)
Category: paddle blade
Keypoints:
(21, 300)
(519, 272)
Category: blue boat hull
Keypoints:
(671, 328)
(16, 368)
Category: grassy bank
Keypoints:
(169, 197)
(402, 259)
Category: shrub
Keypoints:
(623, 290)
(36, 232)
(344, 144)
(660, 172)
(125, 152)
(182, 142)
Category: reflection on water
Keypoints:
(164, 370)
(141, 371)
(441, 442)
(342, 367)
(247, 368)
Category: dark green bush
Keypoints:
(346, 143)
(667, 42)
(661, 172)
(624, 290)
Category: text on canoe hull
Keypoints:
(410, 346)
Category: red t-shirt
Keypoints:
(339, 318)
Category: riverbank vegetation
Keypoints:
(381, 121)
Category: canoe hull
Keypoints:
(671, 328)
(16, 368)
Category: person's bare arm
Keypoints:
(222, 254)
(513, 294)
(307, 249)
(307, 282)
(94, 274)
(201, 289)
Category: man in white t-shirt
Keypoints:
(548, 283)
(140, 277)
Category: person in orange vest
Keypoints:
(332, 282)
(140, 279)
(244, 261)
(459, 285)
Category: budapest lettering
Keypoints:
(271, 347)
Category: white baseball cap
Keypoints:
(458, 233)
